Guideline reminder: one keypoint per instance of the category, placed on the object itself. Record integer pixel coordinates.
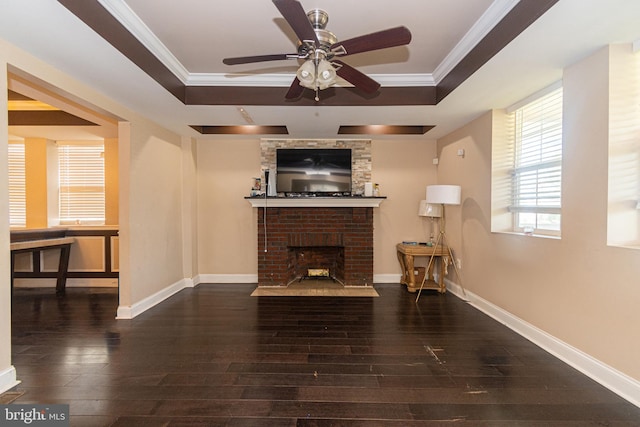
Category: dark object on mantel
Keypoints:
(313, 196)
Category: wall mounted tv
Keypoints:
(313, 171)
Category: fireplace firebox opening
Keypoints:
(317, 263)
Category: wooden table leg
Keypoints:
(411, 277)
(403, 268)
(63, 267)
(443, 267)
(13, 269)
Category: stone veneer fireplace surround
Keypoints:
(360, 156)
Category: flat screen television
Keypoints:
(313, 171)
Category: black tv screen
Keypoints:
(313, 170)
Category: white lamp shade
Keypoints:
(430, 210)
(307, 74)
(326, 74)
(444, 194)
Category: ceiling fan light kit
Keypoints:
(318, 47)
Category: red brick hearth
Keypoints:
(298, 238)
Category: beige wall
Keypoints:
(227, 224)
(227, 233)
(155, 210)
(403, 169)
(189, 207)
(576, 288)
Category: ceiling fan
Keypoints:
(319, 49)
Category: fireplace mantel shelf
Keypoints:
(315, 202)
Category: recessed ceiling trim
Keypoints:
(46, 118)
(384, 129)
(240, 130)
(284, 80)
(489, 19)
(333, 96)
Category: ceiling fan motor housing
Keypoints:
(318, 18)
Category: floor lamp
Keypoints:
(442, 195)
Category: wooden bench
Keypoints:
(64, 243)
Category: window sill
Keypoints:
(543, 236)
(621, 246)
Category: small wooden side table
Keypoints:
(407, 253)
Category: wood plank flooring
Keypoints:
(214, 355)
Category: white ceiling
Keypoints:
(192, 36)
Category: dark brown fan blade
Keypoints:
(380, 40)
(258, 58)
(295, 90)
(356, 78)
(293, 13)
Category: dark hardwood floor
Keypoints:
(213, 356)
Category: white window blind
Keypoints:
(81, 180)
(537, 172)
(17, 186)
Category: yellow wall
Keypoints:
(111, 193)
(576, 288)
(36, 188)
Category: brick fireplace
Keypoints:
(339, 239)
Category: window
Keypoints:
(17, 186)
(623, 205)
(81, 181)
(536, 177)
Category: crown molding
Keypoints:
(132, 22)
(489, 19)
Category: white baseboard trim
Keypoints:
(623, 385)
(129, 312)
(226, 278)
(8, 379)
